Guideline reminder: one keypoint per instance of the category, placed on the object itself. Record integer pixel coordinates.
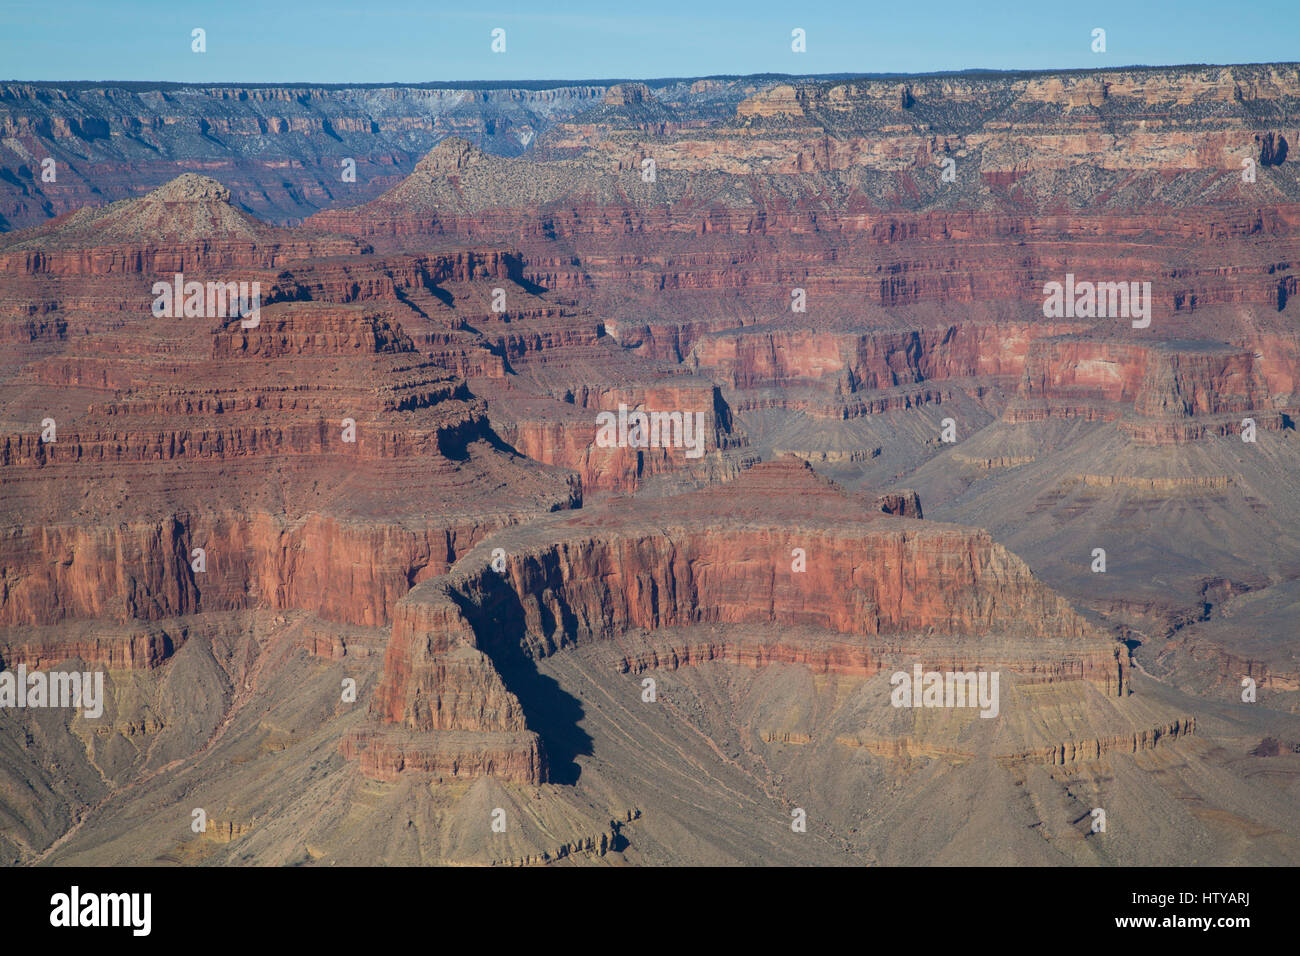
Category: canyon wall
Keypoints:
(882, 589)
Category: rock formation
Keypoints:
(448, 452)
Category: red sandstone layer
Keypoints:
(727, 556)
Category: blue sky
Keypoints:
(406, 41)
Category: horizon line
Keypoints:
(981, 72)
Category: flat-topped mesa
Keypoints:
(385, 463)
(1162, 392)
(627, 94)
(1184, 379)
(778, 548)
(1185, 87)
(381, 526)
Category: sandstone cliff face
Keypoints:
(1166, 393)
(384, 756)
(339, 569)
(1059, 755)
(315, 458)
(566, 432)
(1201, 381)
(1074, 751)
(904, 504)
(137, 647)
(885, 586)
(866, 362)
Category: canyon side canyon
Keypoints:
(572, 482)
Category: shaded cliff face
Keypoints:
(418, 466)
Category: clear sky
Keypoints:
(414, 41)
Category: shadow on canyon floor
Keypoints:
(550, 711)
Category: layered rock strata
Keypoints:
(778, 547)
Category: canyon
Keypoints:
(361, 575)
